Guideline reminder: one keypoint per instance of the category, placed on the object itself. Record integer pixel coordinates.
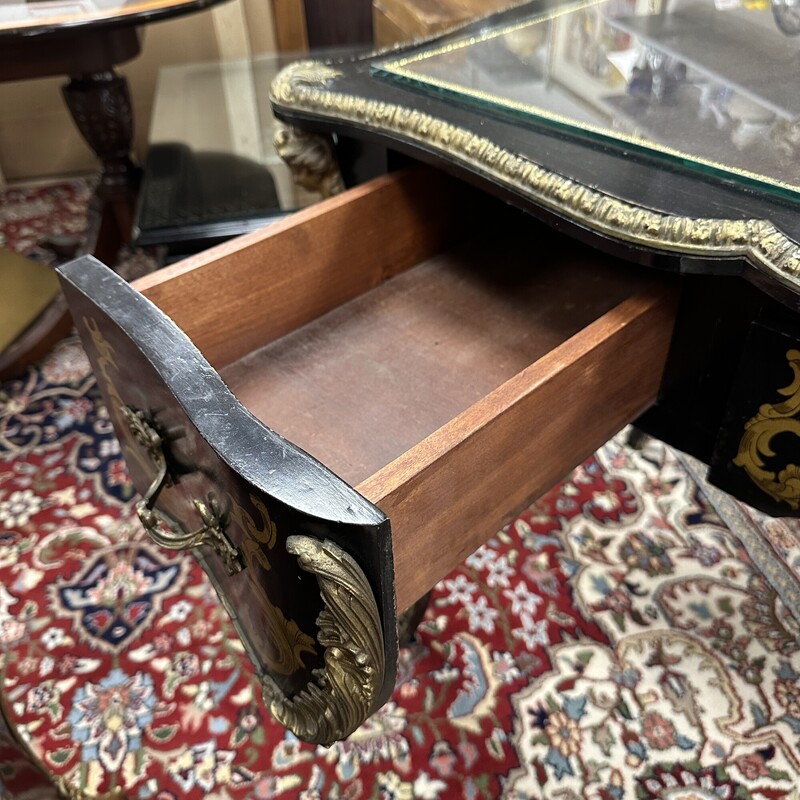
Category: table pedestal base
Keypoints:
(100, 105)
(99, 102)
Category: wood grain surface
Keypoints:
(240, 295)
(449, 494)
(369, 380)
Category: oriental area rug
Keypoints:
(632, 634)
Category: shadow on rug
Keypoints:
(617, 640)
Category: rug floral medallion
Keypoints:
(622, 638)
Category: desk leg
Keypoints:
(100, 105)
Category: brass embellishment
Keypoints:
(303, 87)
(265, 533)
(106, 370)
(342, 694)
(168, 533)
(150, 439)
(758, 433)
(162, 530)
(311, 159)
(287, 642)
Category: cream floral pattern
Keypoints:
(691, 690)
(621, 638)
(18, 507)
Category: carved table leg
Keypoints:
(99, 102)
(100, 105)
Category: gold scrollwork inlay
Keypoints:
(305, 86)
(756, 443)
(107, 371)
(287, 642)
(257, 534)
(343, 693)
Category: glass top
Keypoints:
(208, 177)
(707, 84)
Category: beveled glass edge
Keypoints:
(306, 87)
(399, 68)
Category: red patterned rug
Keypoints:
(633, 634)
(29, 216)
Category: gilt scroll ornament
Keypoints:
(288, 643)
(306, 86)
(342, 694)
(311, 159)
(164, 531)
(756, 443)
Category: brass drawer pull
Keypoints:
(167, 533)
(150, 439)
(163, 530)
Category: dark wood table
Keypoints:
(85, 41)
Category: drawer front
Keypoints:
(757, 451)
(301, 561)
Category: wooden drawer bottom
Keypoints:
(383, 388)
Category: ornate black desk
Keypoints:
(616, 243)
(668, 137)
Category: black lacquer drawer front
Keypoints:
(757, 453)
(301, 562)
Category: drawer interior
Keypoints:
(446, 354)
(368, 380)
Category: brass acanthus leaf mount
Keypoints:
(342, 694)
(311, 159)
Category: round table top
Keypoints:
(35, 17)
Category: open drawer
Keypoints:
(368, 389)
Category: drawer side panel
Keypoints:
(449, 494)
